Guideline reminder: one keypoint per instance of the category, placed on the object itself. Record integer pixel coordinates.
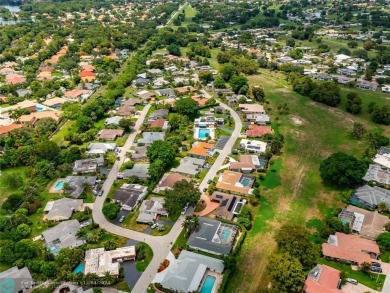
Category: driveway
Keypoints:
(359, 288)
(130, 271)
(120, 214)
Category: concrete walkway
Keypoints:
(210, 206)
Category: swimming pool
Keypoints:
(59, 185)
(39, 108)
(225, 234)
(203, 133)
(246, 182)
(208, 284)
(79, 269)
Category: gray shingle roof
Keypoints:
(372, 196)
(22, 278)
(186, 273)
(63, 207)
(138, 170)
(63, 235)
(207, 239)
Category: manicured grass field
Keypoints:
(189, 12)
(59, 137)
(293, 191)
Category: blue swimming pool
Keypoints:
(246, 182)
(203, 133)
(39, 108)
(59, 185)
(208, 284)
(79, 269)
(225, 234)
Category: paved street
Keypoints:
(161, 245)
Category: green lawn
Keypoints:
(181, 241)
(120, 141)
(157, 232)
(142, 265)
(189, 14)
(373, 281)
(68, 127)
(292, 191)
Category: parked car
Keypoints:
(155, 225)
(376, 270)
(204, 189)
(119, 176)
(375, 264)
(100, 193)
(94, 191)
(121, 219)
(352, 281)
(209, 181)
(184, 210)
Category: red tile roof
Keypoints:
(85, 73)
(351, 248)
(5, 129)
(326, 282)
(157, 123)
(258, 130)
(172, 178)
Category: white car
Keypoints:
(155, 225)
(352, 281)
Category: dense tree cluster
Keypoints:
(343, 170)
(183, 193)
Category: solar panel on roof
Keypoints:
(223, 203)
(232, 204)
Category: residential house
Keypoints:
(213, 237)
(370, 197)
(258, 131)
(159, 114)
(99, 262)
(54, 103)
(247, 164)
(30, 119)
(260, 119)
(62, 209)
(149, 137)
(383, 160)
(4, 130)
(166, 93)
(151, 209)
(77, 184)
(146, 95)
(366, 85)
(368, 224)
(343, 80)
(201, 150)
(63, 236)
(128, 109)
(17, 280)
(323, 279)
(139, 154)
(322, 76)
(159, 123)
(377, 175)
(23, 93)
(100, 148)
(253, 145)
(386, 89)
(113, 121)
(139, 170)
(251, 108)
(78, 94)
(350, 249)
(190, 166)
(110, 134)
(140, 82)
(129, 195)
(87, 76)
(87, 165)
(186, 273)
(229, 205)
(235, 182)
(169, 180)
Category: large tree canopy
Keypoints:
(342, 169)
(187, 107)
(183, 193)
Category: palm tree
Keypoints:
(191, 223)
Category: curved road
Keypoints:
(161, 245)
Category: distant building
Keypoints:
(87, 165)
(377, 175)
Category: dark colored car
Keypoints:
(204, 189)
(209, 181)
(375, 264)
(100, 193)
(376, 270)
